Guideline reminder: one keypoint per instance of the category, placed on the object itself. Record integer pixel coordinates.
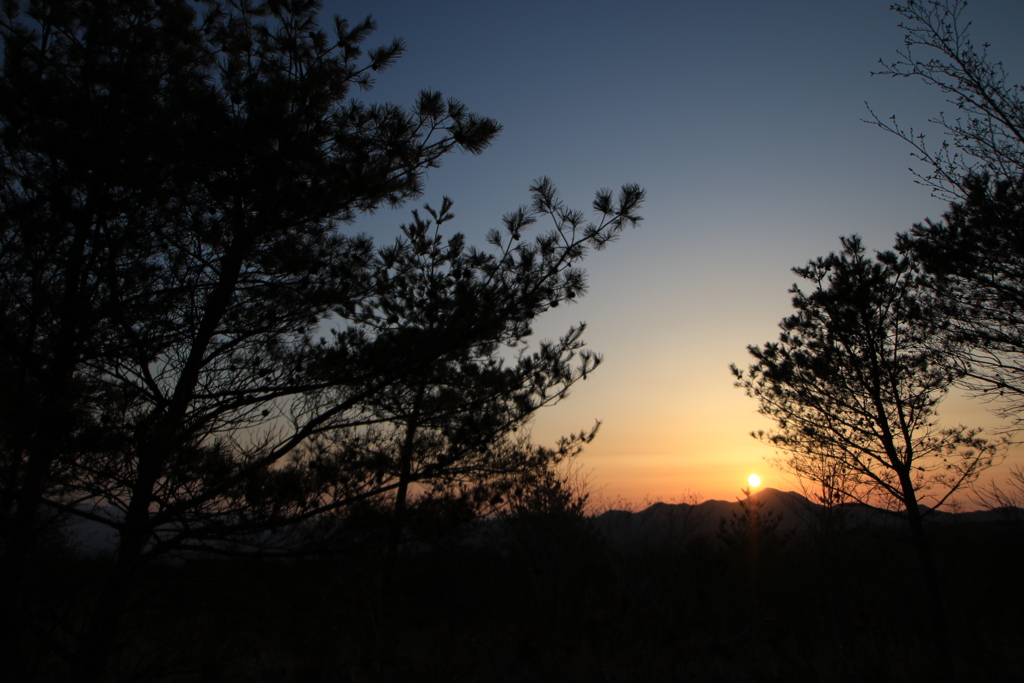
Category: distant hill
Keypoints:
(660, 523)
(676, 522)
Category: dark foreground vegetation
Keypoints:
(551, 600)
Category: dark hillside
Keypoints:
(565, 600)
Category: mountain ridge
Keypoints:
(663, 522)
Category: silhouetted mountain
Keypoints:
(668, 523)
(676, 522)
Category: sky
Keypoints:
(743, 121)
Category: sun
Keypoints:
(754, 480)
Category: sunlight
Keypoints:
(754, 480)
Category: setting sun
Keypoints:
(754, 480)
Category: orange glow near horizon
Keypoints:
(682, 433)
(685, 446)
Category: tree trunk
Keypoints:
(404, 475)
(152, 451)
(936, 607)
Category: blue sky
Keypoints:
(743, 121)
